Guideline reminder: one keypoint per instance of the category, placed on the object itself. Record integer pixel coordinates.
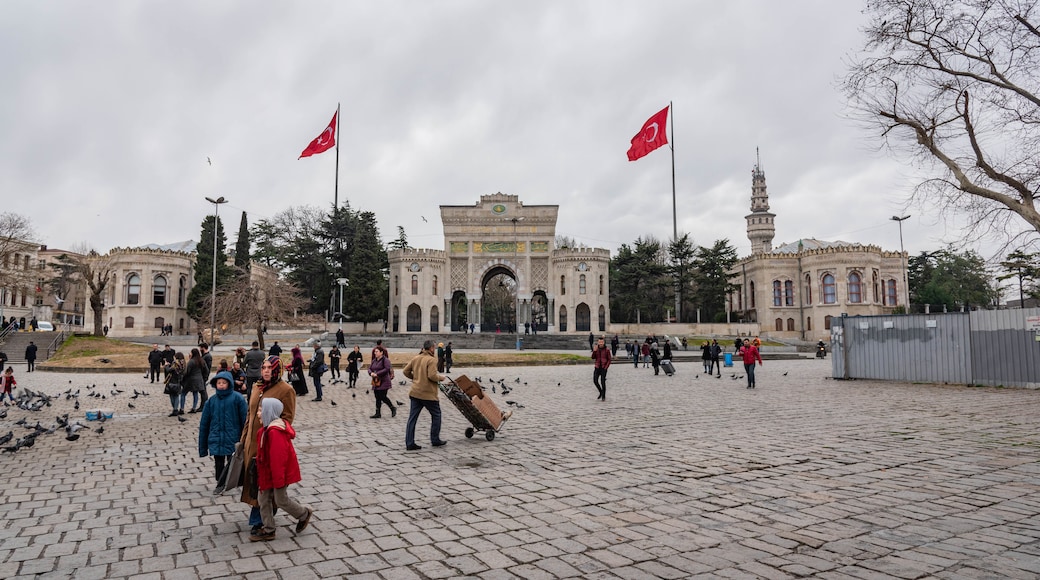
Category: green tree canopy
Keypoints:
(204, 268)
(949, 279)
(711, 277)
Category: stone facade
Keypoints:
(21, 290)
(795, 290)
(149, 288)
(557, 289)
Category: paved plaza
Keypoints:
(671, 477)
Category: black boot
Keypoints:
(376, 416)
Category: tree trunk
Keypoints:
(99, 318)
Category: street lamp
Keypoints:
(516, 249)
(213, 297)
(902, 259)
(342, 282)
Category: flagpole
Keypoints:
(335, 198)
(675, 226)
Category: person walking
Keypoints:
(275, 350)
(240, 355)
(207, 357)
(8, 383)
(334, 357)
(277, 467)
(316, 369)
(645, 351)
(706, 356)
(667, 350)
(440, 357)
(354, 361)
(175, 384)
(716, 352)
(422, 370)
(194, 380)
(30, 356)
(749, 353)
(379, 370)
(155, 359)
(254, 359)
(614, 345)
(269, 387)
(602, 358)
(341, 340)
(221, 423)
(592, 340)
(448, 361)
(296, 376)
(655, 358)
(167, 359)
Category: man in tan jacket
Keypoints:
(422, 370)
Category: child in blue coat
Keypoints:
(223, 417)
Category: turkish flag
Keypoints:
(651, 136)
(323, 142)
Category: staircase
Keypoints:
(14, 345)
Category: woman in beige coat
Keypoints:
(270, 385)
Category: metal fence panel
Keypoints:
(1004, 350)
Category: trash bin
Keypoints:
(519, 343)
(729, 359)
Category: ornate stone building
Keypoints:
(149, 289)
(555, 289)
(795, 290)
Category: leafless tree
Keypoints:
(96, 270)
(16, 237)
(255, 302)
(954, 85)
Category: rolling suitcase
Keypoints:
(669, 368)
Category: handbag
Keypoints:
(294, 377)
(232, 475)
(172, 389)
(375, 381)
(324, 368)
(253, 479)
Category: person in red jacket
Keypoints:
(277, 468)
(750, 354)
(600, 354)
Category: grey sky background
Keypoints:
(110, 110)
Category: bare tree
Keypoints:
(255, 302)
(16, 237)
(954, 84)
(96, 271)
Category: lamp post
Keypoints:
(516, 250)
(342, 282)
(902, 259)
(213, 296)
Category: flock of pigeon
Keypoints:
(37, 401)
(499, 386)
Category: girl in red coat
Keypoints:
(277, 468)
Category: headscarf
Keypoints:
(270, 409)
(276, 370)
(297, 354)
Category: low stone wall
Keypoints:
(686, 329)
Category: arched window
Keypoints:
(829, 293)
(563, 285)
(582, 318)
(827, 322)
(855, 288)
(808, 289)
(396, 317)
(159, 291)
(133, 290)
(602, 317)
(563, 318)
(808, 322)
(414, 321)
(601, 284)
(777, 296)
(434, 318)
(890, 292)
(128, 322)
(435, 285)
(752, 299)
(788, 293)
(415, 284)
(877, 290)
(182, 291)
(581, 284)
(790, 324)
(779, 324)
(160, 322)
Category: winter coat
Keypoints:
(317, 361)
(601, 356)
(381, 367)
(155, 358)
(423, 371)
(276, 463)
(254, 360)
(194, 380)
(750, 354)
(284, 393)
(706, 352)
(222, 420)
(354, 361)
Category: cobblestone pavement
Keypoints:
(671, 477)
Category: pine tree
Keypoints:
(401, 243)
(365, 299)
(202, 288)
(242, 246)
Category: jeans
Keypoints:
(174, 400)
(599, 378)
(417, 405)
(750, 370)
(317, 386)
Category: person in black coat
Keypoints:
(30, 356)
(155, 360)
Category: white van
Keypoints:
(44, 326)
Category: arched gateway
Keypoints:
(499, 271)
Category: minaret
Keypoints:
(760, 228)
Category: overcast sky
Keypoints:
(109, 111)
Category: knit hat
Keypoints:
(270, 409)
(227, 376)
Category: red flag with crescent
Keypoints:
(323, 142)
(651, 136)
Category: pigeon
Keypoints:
(3, 414)
(211, 163)
(99, 430)
(181, 419)
(424, 219)
(399, 403)
(696, 376)
(353, 395)
(6, 438)
(131, 405)
(559, 384)
(72, 437)
(785, 373)
(366, 391)
(333, 403)
(492, 388)
(518, 380)
(519, 406)
(76, 406)
(510, 402)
